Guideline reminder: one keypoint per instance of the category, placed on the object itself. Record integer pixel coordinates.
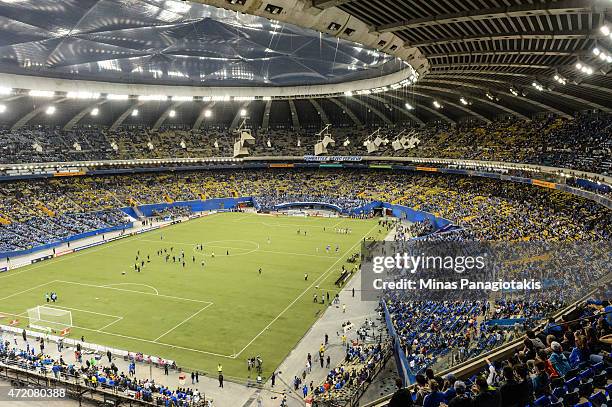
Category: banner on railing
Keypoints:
(333, 158)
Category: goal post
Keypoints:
(48, 318)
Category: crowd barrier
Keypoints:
(505, 322)
(401, 361)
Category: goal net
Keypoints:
(47, 318)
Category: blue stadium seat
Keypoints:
(586, 389)
(572, 384)
(559, 392)
(571, 398)
(600, 379)
(598, 399)
(543, 401)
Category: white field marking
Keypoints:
(29, 289)
(181, 323)
(322, 276)
(133, 291)
(144, 285)
(243, 248)
(143, 340)
(60, 307)
(112, 323)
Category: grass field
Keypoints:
(222, 312)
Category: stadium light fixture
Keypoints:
(182, 98)
(348, 93)
(135, 112)
(560, 79)
(95, 111)
(243, 112)
(464, 101)
(437, 104)
(208, 113)
(5, 91)
(42, 93)
(2, 108)
(605, 30)
(172, 113)
(409, 106)
(537, 85)
(50, 110)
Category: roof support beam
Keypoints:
(125, 115)
(77, 118)
(445, 67)
(402, 109)
(12, 98)
(238, 116)
(532, 35)
(164, 116)
(458, 106)
(348, 111)
(520, 10)
(429, 109)
(265, 121)
(25, 119)
(561, 94)
(294, 115)
(483, 100)
(323, 4)
(320, 110)
(202, 116)
(484, 88)
(374, 110)
(511, 52)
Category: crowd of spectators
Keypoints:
(562, 365)
(38, 211)
(583, 143)
(344, 380)
(93, 373)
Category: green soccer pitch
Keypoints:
(199, 315)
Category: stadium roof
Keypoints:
(174, 43)
(476, 58)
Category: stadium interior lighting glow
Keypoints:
(82, 95)
(207, 113)
(2, 108)
(152, 97)
(560, 79)
(437, 104)
(348, 93)
(182, 98)
(605, 30)
(409, 106)
(50, 110)
(463, 101)
(538, 86)
(5, 91)
(135, 112)
(243, 112)
(42, 93)
(267, 98)
(172, 113)
(95, 111)
(244, 98)
(112, 96)
(224, 98)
